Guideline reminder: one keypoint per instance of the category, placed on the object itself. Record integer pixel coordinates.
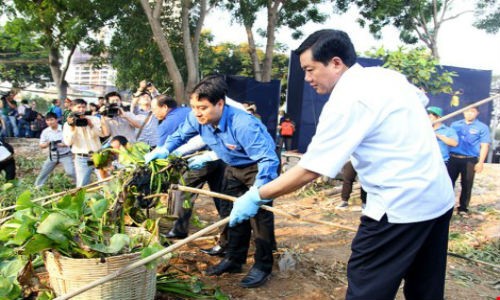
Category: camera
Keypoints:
(80, 120)
(149, 84)
(53, 145)
(111, 110)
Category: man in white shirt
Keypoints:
(374, 116)
(51, 137)
(82, 133)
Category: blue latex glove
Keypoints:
(158, 152)
(246, 206)
(199, 161)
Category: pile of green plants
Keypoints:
(92, 225)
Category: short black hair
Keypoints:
(213, 88)
(24, 101)
(54, 101)
(111, 94)
(121, 139)
(163, 100)
(78, 101)
(94, 105)
(50, 115)
(328, 43)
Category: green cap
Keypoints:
(438, 111)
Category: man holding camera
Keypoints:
(59, 152)
(114, 117)
(82, 133)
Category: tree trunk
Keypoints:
(253, 54)
(166, 52)
(192, 68)
(272, 19)
(57, 74)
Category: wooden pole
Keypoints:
(145, 260)
(478, 103)
(72, 191)
(268, 208)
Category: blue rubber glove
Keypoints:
(246, 206)
(158, 152)
(199, 161)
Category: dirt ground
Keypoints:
(311, 259)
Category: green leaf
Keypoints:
(76, 207)
(64, 203)
(38, 243)
(24, 201)
(56, 227)
(24, 232)
(117, 242)
(99, 207)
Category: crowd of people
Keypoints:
(406, 170)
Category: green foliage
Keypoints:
(418, 66)
(488, 13)
(190, 288)
(23, 60)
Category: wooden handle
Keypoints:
(268, 208)
(145, 260)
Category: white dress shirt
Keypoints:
(379, 118)
(84, 139)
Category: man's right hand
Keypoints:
(158, 152)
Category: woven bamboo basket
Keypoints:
(69, 274)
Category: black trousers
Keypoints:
(348, 177)
(465, 168)
(383, 254)
(9, 166)
(212, 173)
(236, 182)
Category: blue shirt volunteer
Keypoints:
(447, 132)
(470, 136)
(171, 122)
(239, 140)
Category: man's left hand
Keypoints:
(478, 168)
(199, 161)
(246, 206)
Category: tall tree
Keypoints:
(416, 19)
(60, 26)
(280, 13)
(164, 19)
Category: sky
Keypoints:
(459, 43)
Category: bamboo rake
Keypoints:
(268, 208)
(145, 260)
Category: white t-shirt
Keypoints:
(375, 116)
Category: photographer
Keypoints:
(82, 133)
(143, 119)
(113, 115)
(59, 152)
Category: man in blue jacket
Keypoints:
(243, 143)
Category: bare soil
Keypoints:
(321, 253)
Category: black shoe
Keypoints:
(225, 266)
(255, 278)
(216, 250)
(172, 235)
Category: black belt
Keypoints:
(461, 156)
(83, 154)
